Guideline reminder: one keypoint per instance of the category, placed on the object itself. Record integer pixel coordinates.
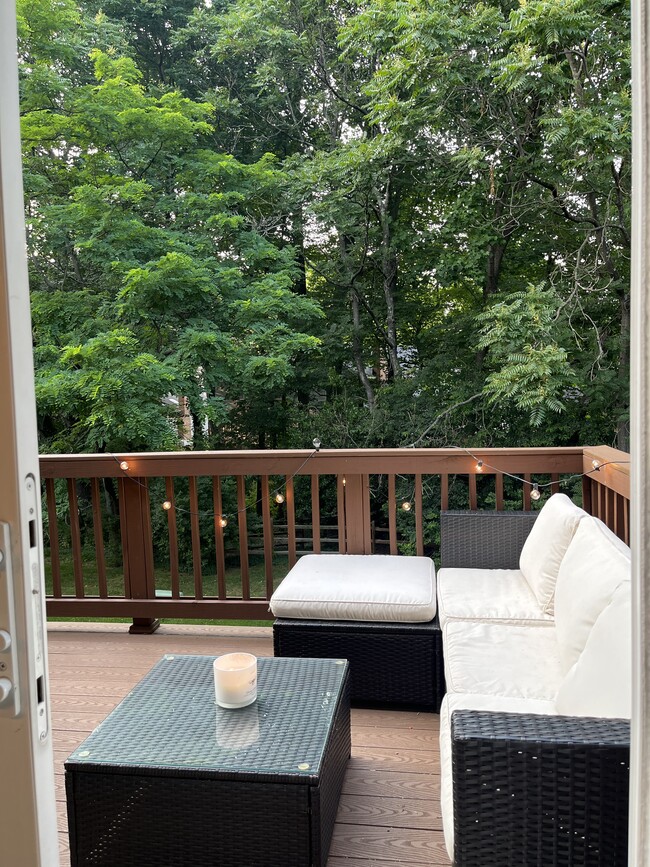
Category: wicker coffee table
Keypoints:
(170, 778)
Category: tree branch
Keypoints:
(560, 201)
(441, 416)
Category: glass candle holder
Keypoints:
(235, 680)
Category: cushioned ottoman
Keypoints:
(379, 612)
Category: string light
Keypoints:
(534, 485)
(406, 505)
(222, 520)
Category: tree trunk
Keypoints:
(388, 210)
(491, 285)
(357, 351)
(622, 423)
(389, 268)
(357, 342)
(298, 242)
(198, 435)
(493, 271)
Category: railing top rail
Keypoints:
(614, 470)
(618, 460)
(306, 462)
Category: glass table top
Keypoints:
(171, 721)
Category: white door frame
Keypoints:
(28, 827)
(639, 852)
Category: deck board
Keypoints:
(390, 805)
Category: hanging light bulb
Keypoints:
(167, 505)
(223, 522)
(535, 494)
(406, 506)
(343, 481)
(124, 465)
(595, 464)
(479, 466)
(316, 443)
(279, 498)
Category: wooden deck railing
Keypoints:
(199, 534)
(606, 488)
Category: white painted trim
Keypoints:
(28, 827)
(639, 851)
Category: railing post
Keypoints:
(137, 547)
(358, 536)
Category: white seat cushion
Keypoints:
(487, 594)
(504, 659)
(453, 702)
(595, 563)
(600, 683)
(358, 587)
(546, 545)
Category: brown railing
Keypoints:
(147, 540)
(606, 488)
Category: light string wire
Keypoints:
(535, 486)
(124, 466)
(481, 463)
(406, 504)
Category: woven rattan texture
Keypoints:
(123, 816)
(535, 791)
(392, 665)
(483, 540)
(171, 722)
(151, 821)
(325, 797)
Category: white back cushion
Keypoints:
(595, 563)
(600, 683)
(546, 545)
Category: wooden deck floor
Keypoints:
(389, 811)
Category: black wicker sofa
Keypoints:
(534, 728)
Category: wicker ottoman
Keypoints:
(379, 612)
(391, 664)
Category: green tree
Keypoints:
(137, 222)
(519, 119)
(398, 221)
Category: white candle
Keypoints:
(235, 679)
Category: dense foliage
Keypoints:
(383, 222)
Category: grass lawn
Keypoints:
(115, 583)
